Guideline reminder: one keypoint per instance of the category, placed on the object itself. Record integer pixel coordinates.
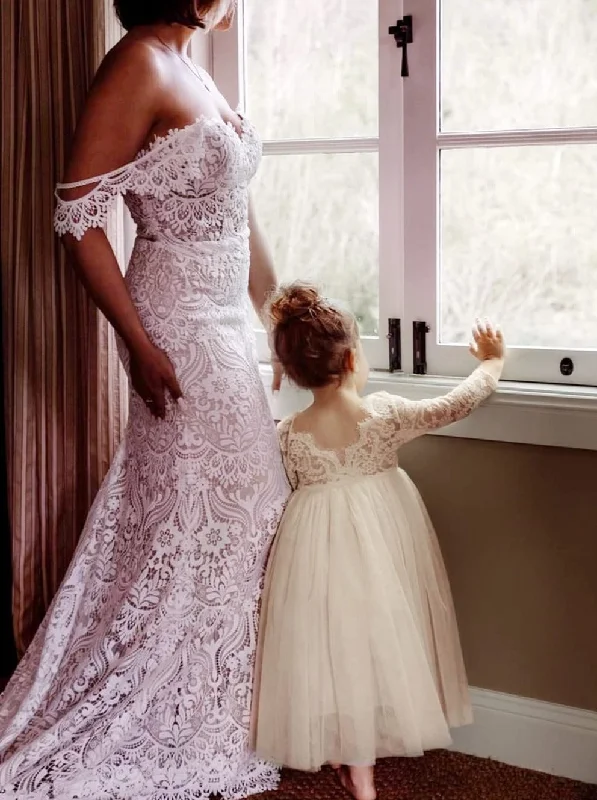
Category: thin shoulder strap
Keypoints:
(97, 179)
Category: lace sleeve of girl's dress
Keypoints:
(283, 436)
(420, 416)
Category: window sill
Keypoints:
(521, 413)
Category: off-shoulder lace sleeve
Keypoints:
(90, 210)
(155, 171)
(420, 416)
(283, 436)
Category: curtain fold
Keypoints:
(7, 650)
(63, 388)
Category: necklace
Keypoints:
(188, 64)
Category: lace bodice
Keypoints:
(390, 422)
(188, 186)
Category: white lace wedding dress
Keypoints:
(138, 684)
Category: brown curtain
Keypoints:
(64, 396)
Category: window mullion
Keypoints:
(517, 138)
(420, 174)
(391, 182)
(282, 147)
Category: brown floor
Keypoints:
(440, 775)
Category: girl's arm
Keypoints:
(262, 282)
(418, 417)
(116, 121)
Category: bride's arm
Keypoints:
(262, 280)
(118, 115)
(262, 275)
(114, 124)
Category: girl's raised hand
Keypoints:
(488, 342)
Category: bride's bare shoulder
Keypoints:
(135, 61)
(120, 110)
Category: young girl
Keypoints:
(359, 656)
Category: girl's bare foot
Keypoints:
(358, 781)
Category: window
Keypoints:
(310, 76)
(500, 148)
(466, 188)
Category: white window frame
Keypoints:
(228, 72)
(423, 145)
(526, 408)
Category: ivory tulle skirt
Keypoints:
(359, 656)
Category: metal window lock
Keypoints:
(402, 32)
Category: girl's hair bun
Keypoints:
(311, 337)
(294, 302)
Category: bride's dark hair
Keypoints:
(149, 12)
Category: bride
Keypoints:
(138, 683)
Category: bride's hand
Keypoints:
(278, 374)
(152, 374)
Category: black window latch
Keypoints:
(402, 32)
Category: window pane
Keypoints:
(320, 215)
(519, 244)
(518, 64)
(312, 68)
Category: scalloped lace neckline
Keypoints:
(202, 121)
(361, 426)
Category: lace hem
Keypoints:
(259, 777)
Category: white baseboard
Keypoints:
(532, 734)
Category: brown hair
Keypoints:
(311, 337)
(191, 13)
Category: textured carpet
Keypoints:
(440, 775)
